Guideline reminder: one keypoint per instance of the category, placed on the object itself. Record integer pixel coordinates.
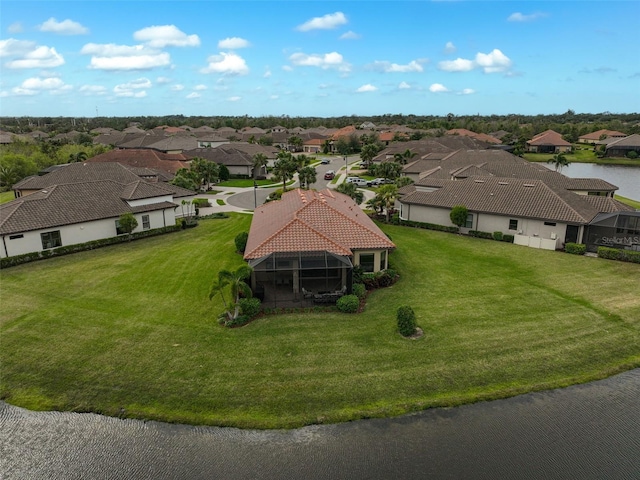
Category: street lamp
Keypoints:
(255, 194)
(346, 168)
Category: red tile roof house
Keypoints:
(82, 202)
(305, 245)
(548, 142)
(595, 137)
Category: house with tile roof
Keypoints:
(309, 241)
(538, 213)
(169, 163)
(548, 141)
(622, 146)
(596, 136)
(478, 136)
(82, 202)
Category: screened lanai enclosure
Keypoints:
(617, 229)
(300, 279)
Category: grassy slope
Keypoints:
(6, 196)
(129, 330)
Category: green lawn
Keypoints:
(128, 330)
(633, 203)
(583, 154)
(6, 196)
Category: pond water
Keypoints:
(589, 431)
(626, 178)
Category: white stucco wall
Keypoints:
(80, 233)
(150, 201)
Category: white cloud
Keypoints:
(327, 22)
(449, 48)
(15, 28)
(226, 64)
(36, 85)
(133, 89)
(457, 65)
(177, 87)
(521, 17)
(65, 27)
(92, 90)
(267, 73)
(234, 99)
(287, 68)
(467, 91)
(324, 61)
(42, 83)
(12, 47)
(200, 87)
(350, 36)
(367, 88)
(113, 50)
(492, 62)
(388, 67)
(404, 86)
(193, 95)
(166, 36)
(438, 88)
(163, 80)
(136, 62)
(233, 43)
(274, 97)
(40, 57)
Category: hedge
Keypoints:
(406, 319)
(479, 234)
(348, 304)
(81, 247)
(575, 248)
(429, 226)
(619, 254)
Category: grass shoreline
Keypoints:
(499, 320)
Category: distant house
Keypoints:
(478, 136)
(313, 145)
(622, 146)
(143, 158)
(309, 242)
(80, 203)
(548, 142)
(595, 137)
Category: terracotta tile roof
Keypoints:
(517, 197)
(343, 132)
(595, 136)
(468, 133)
(312, 221)
(549, 137)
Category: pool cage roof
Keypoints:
(303, 261)
(615, 219)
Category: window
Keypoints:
(367, 262)
(51, 240)
(513, 224)
(550, 224)
(469, 222)
(15, 237)
(383, 259)
(146, 224)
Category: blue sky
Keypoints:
(312, 58)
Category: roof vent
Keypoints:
(528, 185)
(479, 181)
(503, 183)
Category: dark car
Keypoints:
(330, 175)
(325, 161)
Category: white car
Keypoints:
(361, 182)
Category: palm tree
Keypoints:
(284, 168)
(77, 157)
(368, 152)
(404, 157)
(260, 162)
(8, 176)
(307, 176)
(390, 170)
(236, 281)
(559, 161)
(351, 190)
(388, 194)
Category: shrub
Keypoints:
(632, 154)
(348, 304)
(458, 215)
(575, 248)
(619, 254)
(429, 226)
(479, 234)
(239, 321)
(200, 202)
(498, 236)
(507, 238)
(250, 306)
(359, 290)
(406, 321)
(241, 241)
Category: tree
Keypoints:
(203, 171)
(127, 223)
(186, 178)
(260, 162)
(295, 142)
(235, 280)
(307, 176)
(351, 190)
(388, 194)
(390, 170)
(77, 157)
(223, 172)
(284, 168)
(404, 157)
(559, 161)
(368, 153)
(406, 319)
(404, 181)
(459, 215)
(8, 176)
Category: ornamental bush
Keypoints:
(348, 304)
(575, 248)
(498, 236)
(479, 234)
(250, 306)
(241, 241)
(406, 321)
(508, 238)
(619, 254)
(359, 290)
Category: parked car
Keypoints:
(325, 161)
(361, 182)
(330, 175)
(381, 181)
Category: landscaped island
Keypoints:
(129, 331)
